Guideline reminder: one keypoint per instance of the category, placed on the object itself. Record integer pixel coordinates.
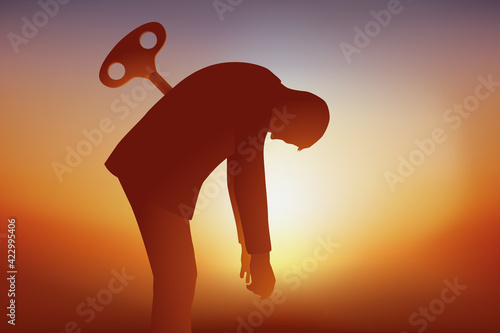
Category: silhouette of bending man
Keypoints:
(220, 112)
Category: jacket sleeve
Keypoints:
(249, 196)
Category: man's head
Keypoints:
(301, 119)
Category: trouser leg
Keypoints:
(167, 238)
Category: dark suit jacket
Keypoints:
(202, 121)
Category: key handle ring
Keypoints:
(137, 60)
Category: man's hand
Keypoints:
(263, 279)
(245, 264)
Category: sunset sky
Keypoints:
(395, 245)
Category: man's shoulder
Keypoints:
(233, 72)
(238, 67)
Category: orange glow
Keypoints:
(395, 248)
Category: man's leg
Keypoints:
(167, 238)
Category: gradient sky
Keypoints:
(396, 247)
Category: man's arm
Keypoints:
(234, 205)
(247, 190)
(245, 257)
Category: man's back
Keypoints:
(192, 129)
